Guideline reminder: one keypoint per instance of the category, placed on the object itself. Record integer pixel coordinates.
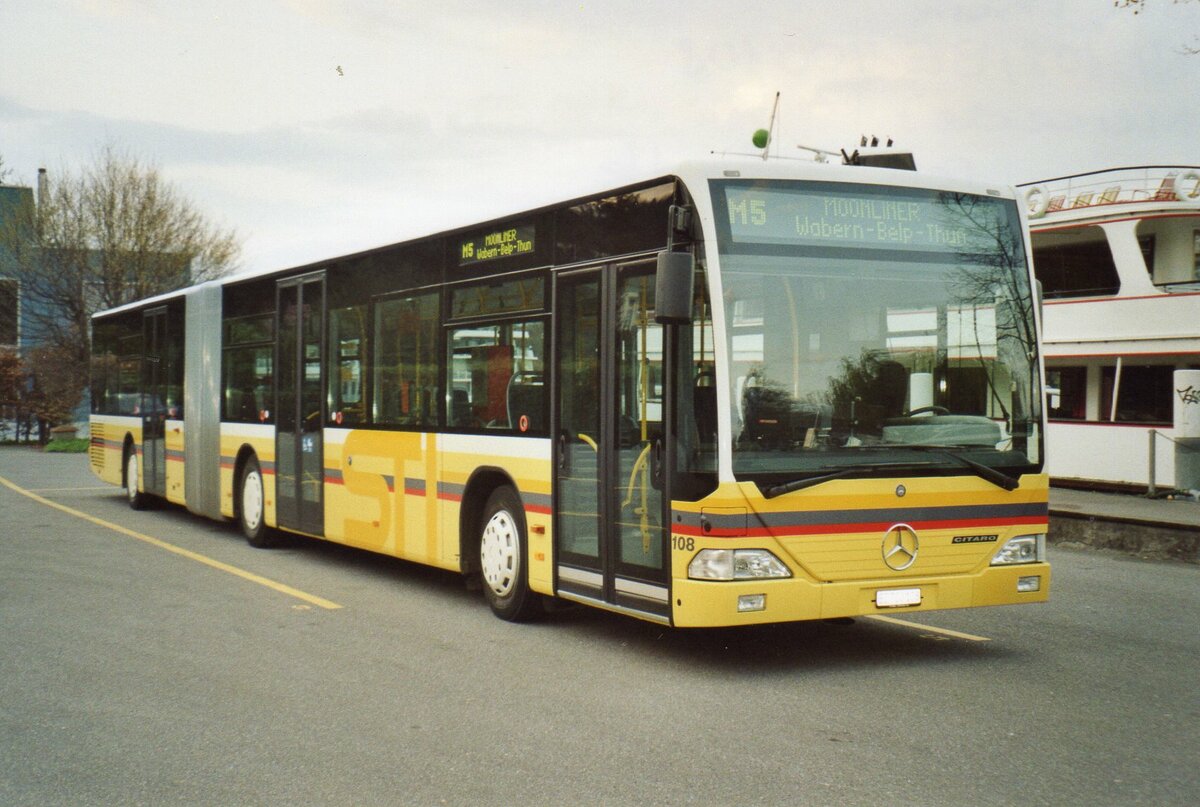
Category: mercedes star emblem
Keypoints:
(900, 547)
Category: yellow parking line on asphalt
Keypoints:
(954, 634)
(187, 553)
(69, 490)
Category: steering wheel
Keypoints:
(920, 410)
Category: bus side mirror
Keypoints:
(674, 288)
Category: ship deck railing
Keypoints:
(1114, 186)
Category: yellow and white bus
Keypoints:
(744, 391)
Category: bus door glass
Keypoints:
(299, 407)
(609, 441)
(154, 396)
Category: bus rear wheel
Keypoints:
(504, 556)
(136, 499)
(251, 510)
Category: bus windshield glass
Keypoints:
(873, 326)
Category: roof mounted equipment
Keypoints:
(874, 156)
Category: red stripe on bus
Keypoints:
(844, 529)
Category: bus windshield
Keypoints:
(873, 326)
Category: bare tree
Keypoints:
(110, 234)
(1138, 6)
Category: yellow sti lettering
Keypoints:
(366, 479)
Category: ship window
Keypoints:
(1146, 245)
(1067, 388)
(1075, 263)
(1170, 247)
(1144, 394)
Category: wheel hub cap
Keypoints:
(498, 553)
(252, 500)
(131, 477)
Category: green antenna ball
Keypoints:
(761, 137)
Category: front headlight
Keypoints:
(736, 564)
(1022, 549)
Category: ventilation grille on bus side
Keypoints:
(96, 449)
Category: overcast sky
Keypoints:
(320, 128)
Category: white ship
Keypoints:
(1117, 253)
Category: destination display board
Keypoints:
(496, 244)
(927, 222)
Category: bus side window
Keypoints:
(495, 377)
(696, 457)
(406, 360)
(347, 348)
(704, 391)
(248, 384)
(526, 404)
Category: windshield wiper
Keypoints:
(849, 470)
(985, 472)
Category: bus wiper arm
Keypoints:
(810, 481)
(985, 472)
(800, 484)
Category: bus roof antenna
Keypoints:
(762, 137)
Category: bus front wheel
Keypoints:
(503, 558)
(251, 510)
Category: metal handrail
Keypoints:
(1152, 487)
(1111, 171)
(1145, 183)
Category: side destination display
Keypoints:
(497, 244)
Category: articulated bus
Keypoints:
(741, 392)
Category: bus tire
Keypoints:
(137, 499)
(251, 508)
(504, 558)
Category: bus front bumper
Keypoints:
(703, 603)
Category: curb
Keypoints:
(1150, 540)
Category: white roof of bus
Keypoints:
(694, 173)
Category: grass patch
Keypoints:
(77, 446)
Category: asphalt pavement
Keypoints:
(155, 658)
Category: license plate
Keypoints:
(897, 597)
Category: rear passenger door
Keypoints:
(299, 448)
